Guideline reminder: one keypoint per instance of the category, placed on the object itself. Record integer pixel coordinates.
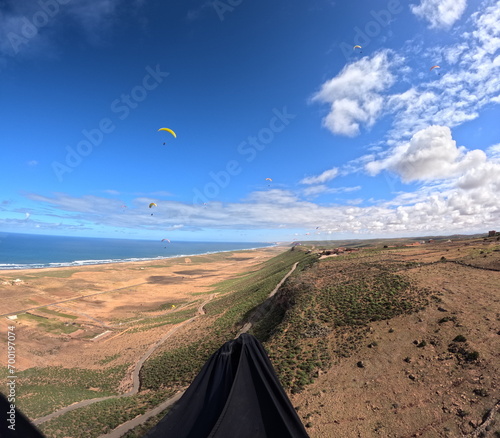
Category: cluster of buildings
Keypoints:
(338, 251)
(421, 242)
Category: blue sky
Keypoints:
(359, 143)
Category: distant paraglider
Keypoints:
(165, 240)
(433, 67)
(168, 130)
(151, 206)
(357, 47)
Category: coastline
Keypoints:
(19, 267)
(93, 338)
(174, 277)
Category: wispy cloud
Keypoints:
(459, 195)
(494, 151)
(463, 89)
(325, 176)
(34, 28)
(456, 96)
(359, 95)
(323, 189)
(111, 192)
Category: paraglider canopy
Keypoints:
(168, 130)
(437, 71)
(152, 205)
(268, 179)
(235, 395)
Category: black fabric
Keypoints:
(236, 395)
(22, 426)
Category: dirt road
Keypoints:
(135, 373)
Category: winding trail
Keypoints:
(248, 325)
(131, 424)
(135, 373)
(137, 421)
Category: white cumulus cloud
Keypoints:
(431, 154)
(354, 95)
(440, 13)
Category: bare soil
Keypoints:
(415, 380)
(397, 385)
(115, 298)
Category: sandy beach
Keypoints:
(79, 316)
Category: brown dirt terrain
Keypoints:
(124, 294)
(414, 379)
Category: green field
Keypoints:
(49, 325)
(44, 390)
(56, 313)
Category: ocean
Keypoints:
(28, 251)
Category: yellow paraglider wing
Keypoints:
(152, 205)
(168, 130)
(268, 179)
(434, 66)
(356, 47)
